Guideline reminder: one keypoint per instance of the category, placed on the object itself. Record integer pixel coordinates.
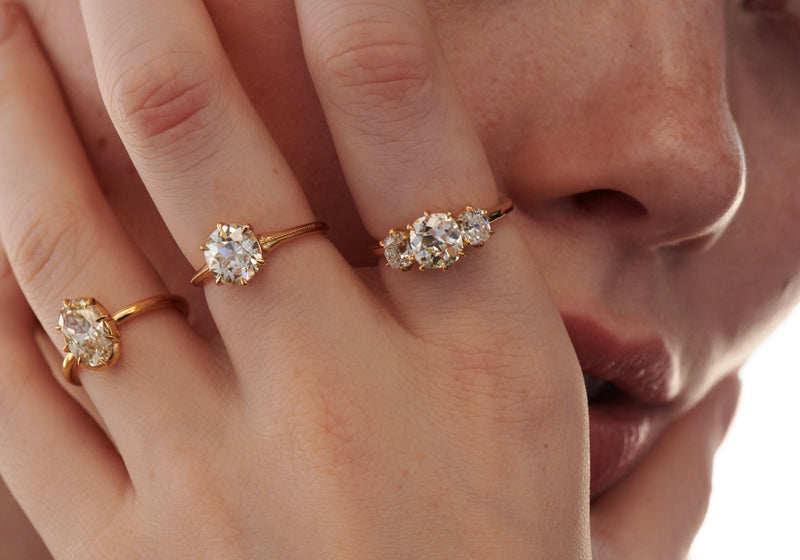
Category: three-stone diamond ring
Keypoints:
(234, 253)
(91, 333)
(437, 240)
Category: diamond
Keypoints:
(435, 241)
(233, 254)
(395, 249)
(475, 226)
(88, 334)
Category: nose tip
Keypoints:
(693, 180)
(683, 180)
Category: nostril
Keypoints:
(608, 203)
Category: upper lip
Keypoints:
(642, 367)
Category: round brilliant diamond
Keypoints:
(233, 254)
(435, 241)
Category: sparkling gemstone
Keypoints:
(88, 335)
(233, 254)
(395, 249)
(435, 241)
(475, 226)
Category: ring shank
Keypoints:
(151, 304)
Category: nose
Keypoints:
(647, 144)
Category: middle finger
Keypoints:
(206, 157)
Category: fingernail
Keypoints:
(9, 15)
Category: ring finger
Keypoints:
(63, 241)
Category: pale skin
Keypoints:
(395, 436)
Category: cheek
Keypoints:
(764, 240)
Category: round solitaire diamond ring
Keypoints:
(437, 240)
(91, 333)
(234, 253)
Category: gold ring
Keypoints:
(234, 254)
(437, 240)
(91, 333)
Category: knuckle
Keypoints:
(377, 64)
(99, 545)
(168, 96)
(42, 250)
(328, 428)
(497, 387)
(109, 538)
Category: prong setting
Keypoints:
(437, 240)
(233, 254)
(90, 334)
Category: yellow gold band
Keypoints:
(91, 334)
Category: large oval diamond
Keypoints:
(435, 241)
(233, 254)
(87, 332)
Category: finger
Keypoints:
(58, 463)
(656, 512)
(190, 130)
(54, 360)
(401, 129)
(63, 241)
(403, 135)
(406, 144)
(202, 150)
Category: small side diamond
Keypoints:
(395, 249)
(87, 333)
(233, 254)
(435, 241)
(475, 226)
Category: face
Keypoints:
(651, 148)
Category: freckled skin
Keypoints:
(614, 128)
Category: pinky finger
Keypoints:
(656, 512)
(56, 460)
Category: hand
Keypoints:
(427, 416)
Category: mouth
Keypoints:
(629, 383)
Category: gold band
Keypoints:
(266, 242)
(91, 332)
(437, 240)
(151, 304)
(506, 206)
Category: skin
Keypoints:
(682, 125)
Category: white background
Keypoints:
(755, 506)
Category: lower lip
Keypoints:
(620, 432)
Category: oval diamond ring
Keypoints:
(91, 333)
